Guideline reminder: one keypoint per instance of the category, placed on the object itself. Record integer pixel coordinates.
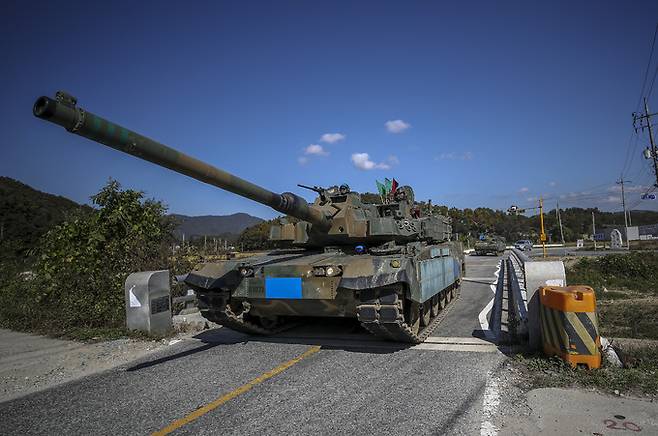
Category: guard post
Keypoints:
(148, 302)
(537, 275)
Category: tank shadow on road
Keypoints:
(220, 336)
(164, 359)
(328, 333)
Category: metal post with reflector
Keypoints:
(569, 326)
(148, 302)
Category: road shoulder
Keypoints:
(568, 410)
(31, 363)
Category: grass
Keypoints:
(629, 318)
(638, 377)
(626, 287)
(636, 272)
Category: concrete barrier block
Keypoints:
(148, 302)
(537, 275)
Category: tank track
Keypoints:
(221, 313)
(384, 318)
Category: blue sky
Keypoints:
(473, 104)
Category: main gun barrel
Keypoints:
(63, 110)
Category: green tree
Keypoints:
(256, 237)
(82, 263)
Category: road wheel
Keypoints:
(436, 305)
(426, 313)
(442, 300)
(412, 315)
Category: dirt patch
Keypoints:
(29, 363)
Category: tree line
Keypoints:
(468, 224)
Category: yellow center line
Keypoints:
(235, 393)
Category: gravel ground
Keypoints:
(30, 363)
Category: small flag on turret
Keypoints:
(381, 188)
(388, 184)
(394, 186)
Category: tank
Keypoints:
(388, 265)
(489, 244)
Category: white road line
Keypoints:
(482, 317)
(449, 343)
(453, 340)
(490, 404)
(469, 348)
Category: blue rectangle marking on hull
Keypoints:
(283, 287)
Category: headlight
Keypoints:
(328, 271)
(246, 271)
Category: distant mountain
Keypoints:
(224, 226)
(26, 214)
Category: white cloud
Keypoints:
(467, 155)
(393, 160)
(303, 160)
(397, 126)
(524, 189)
(552, 184)
(331, 138)
(315, 149)
(362, 161)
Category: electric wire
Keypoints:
(630, 150)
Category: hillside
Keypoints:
(224, 226)
(26, 214)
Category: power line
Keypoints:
(630, 151)
(652, 82)
(646, 71)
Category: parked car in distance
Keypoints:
(523, 245)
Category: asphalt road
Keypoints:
(223, 382)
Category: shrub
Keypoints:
(632, 271)
(81, 265)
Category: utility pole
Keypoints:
(593, 230)
(621, 182)
(559, 220)
(645, 122)
(630, 224)
(542, 235)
